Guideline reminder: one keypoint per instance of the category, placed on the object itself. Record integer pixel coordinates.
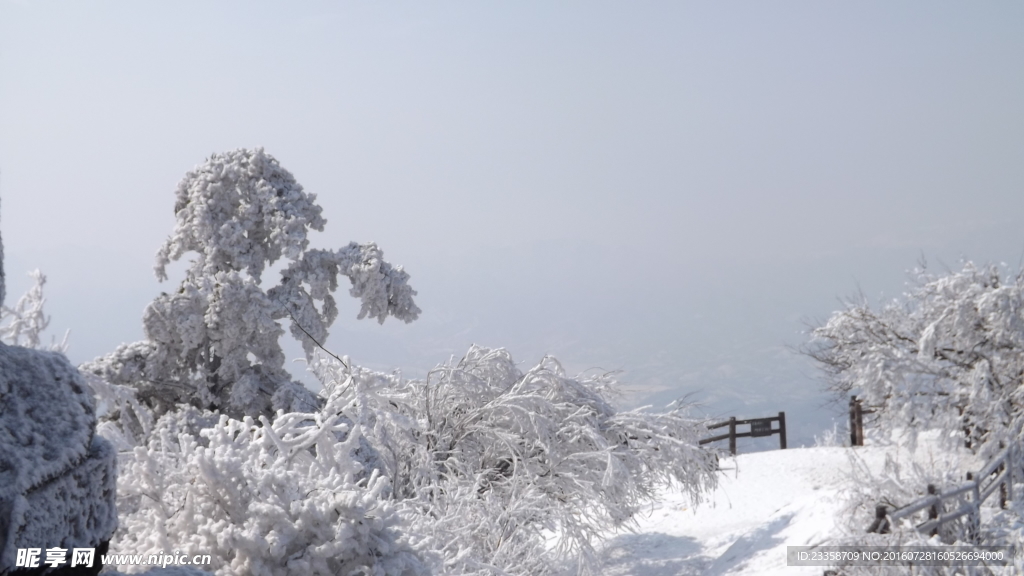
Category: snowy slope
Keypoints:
(765, 502)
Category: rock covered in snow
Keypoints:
(57, 478)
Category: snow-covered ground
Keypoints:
(765, 502)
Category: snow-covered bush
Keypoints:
(829, 438)
(213, 342)
(506, 472)
(949, 355)
(287, 497)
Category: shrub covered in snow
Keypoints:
(510, 472)
(287, 496)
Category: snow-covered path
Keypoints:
(765, 501)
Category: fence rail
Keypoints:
(997, 475)
(759, 427)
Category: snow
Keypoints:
(764, 502)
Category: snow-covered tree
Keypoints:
(213, 342)
(949, 355)
(26, 321)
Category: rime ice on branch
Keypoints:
(213, 342)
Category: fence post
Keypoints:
(1002, 486)
(856, 422)
(732, 435)
(933, 510)
(1009, 473)
(782, 430)
(974, 520)
(853, 420)
(881, 523)
(999, 470)
(860, 422)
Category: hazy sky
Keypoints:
(670, 189)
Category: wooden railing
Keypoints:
(759, 427)
(996, 476)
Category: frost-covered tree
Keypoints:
(213, 342)
(949, 355)
(23, 324)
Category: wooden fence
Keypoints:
(857, 413)
(956, 502)
(759, 427)
(967, 498)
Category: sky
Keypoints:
(673, 190)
